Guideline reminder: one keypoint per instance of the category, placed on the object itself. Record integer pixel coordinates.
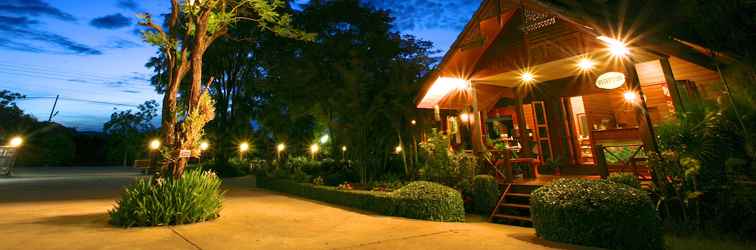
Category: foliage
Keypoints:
(625, 178)
(485, 194)
(596, 213)
(430, 201)
(442, 165)
(127, 131)
(551, 165)
(419, 200)
(194, 197)
(234, 167)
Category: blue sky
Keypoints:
(88, 53)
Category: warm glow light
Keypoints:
(16, 142)
(464, 117)
(527, 77)
(244, 147)
(314, 148)
(204, 146)
(585, 64)
(413, 122)
(324, 139)
(343, 148)
(281, 147)
(630, 96)
(442, 87)
(155, 144)
(398, 149)
(616, 47)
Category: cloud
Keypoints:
(131, 91)
(114, 21)
(34, 8)
(120, 43)
(128, 5)
(20, 33)
(428, 14)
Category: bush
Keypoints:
(625, 178)
(485, 194)
(596, 213)
(194, 198)
(430, 201)
(420, 200)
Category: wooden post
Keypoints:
(644, 119)
(475, 124)
(672, 85)
(508, 176)
(603, 168)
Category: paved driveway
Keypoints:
(60, 208)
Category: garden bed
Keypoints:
(417, 200)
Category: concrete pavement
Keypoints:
(58, 209)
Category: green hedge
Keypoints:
(597, 213)
(417, 200)
(625, 178)
(485, 194)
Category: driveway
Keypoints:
(66, 208)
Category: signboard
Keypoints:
(185, 153)
(610, 80)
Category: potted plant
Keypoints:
(550, 166)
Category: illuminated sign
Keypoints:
(610, 80)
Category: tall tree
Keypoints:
(192, 27)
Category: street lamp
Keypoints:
(16, 142)
(413, 122)
(154, 146)
(243, 148)
(398, 149)
(324, 139)
(343, 152)
(280, 148)
(314, 148)
(204, 145)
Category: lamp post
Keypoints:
(154, 146)
(203, 147)
(243, 148)
(343, 153)
(314, 148)
(279, 149)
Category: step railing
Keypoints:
(631, 162)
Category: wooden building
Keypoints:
(545, 79)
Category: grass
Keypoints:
(675, 242)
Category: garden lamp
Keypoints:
(16, 142)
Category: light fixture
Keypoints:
(204, 145)
(630, 96)
(154, 144)
(314, 148)
(398, 149)
(244, 147)
(527, 77)
(616, 47)
(16, 142)
(464, 117)
(324, 139)
(281, 147)
(585, 64)
(343, 148)
(413, 122)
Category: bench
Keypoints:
(143, 165)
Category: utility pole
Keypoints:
(53, 108)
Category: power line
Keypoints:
(60, 70)
(78, 100)
(69, 79)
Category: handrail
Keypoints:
(603, 167)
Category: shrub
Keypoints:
(596, 213)
(430, 201)
(154, 202)
(485, 194)
(420, 200)
(625, 178)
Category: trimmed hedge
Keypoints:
(485, 194)
(625, 178)
(417, 200)
(597, 213)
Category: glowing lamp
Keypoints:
(413, 122)
(16, 142)
(324, 139)
(343, 148)
(154, 144)
(204, 146)
(630, 96)
(281, 147)
(314, 148)
(398, 149)
(527, 77)
(244, 147)
(585, 64)
(616, 47)
(464, 117)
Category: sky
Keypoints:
(90, 54)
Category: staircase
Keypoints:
(514, 205)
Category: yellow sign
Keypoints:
(610, 80)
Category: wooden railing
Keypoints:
(625, 163)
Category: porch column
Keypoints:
(648, 136)
(669, 78)
(524, 139)
(475, 125)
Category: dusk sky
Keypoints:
(89, 53)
